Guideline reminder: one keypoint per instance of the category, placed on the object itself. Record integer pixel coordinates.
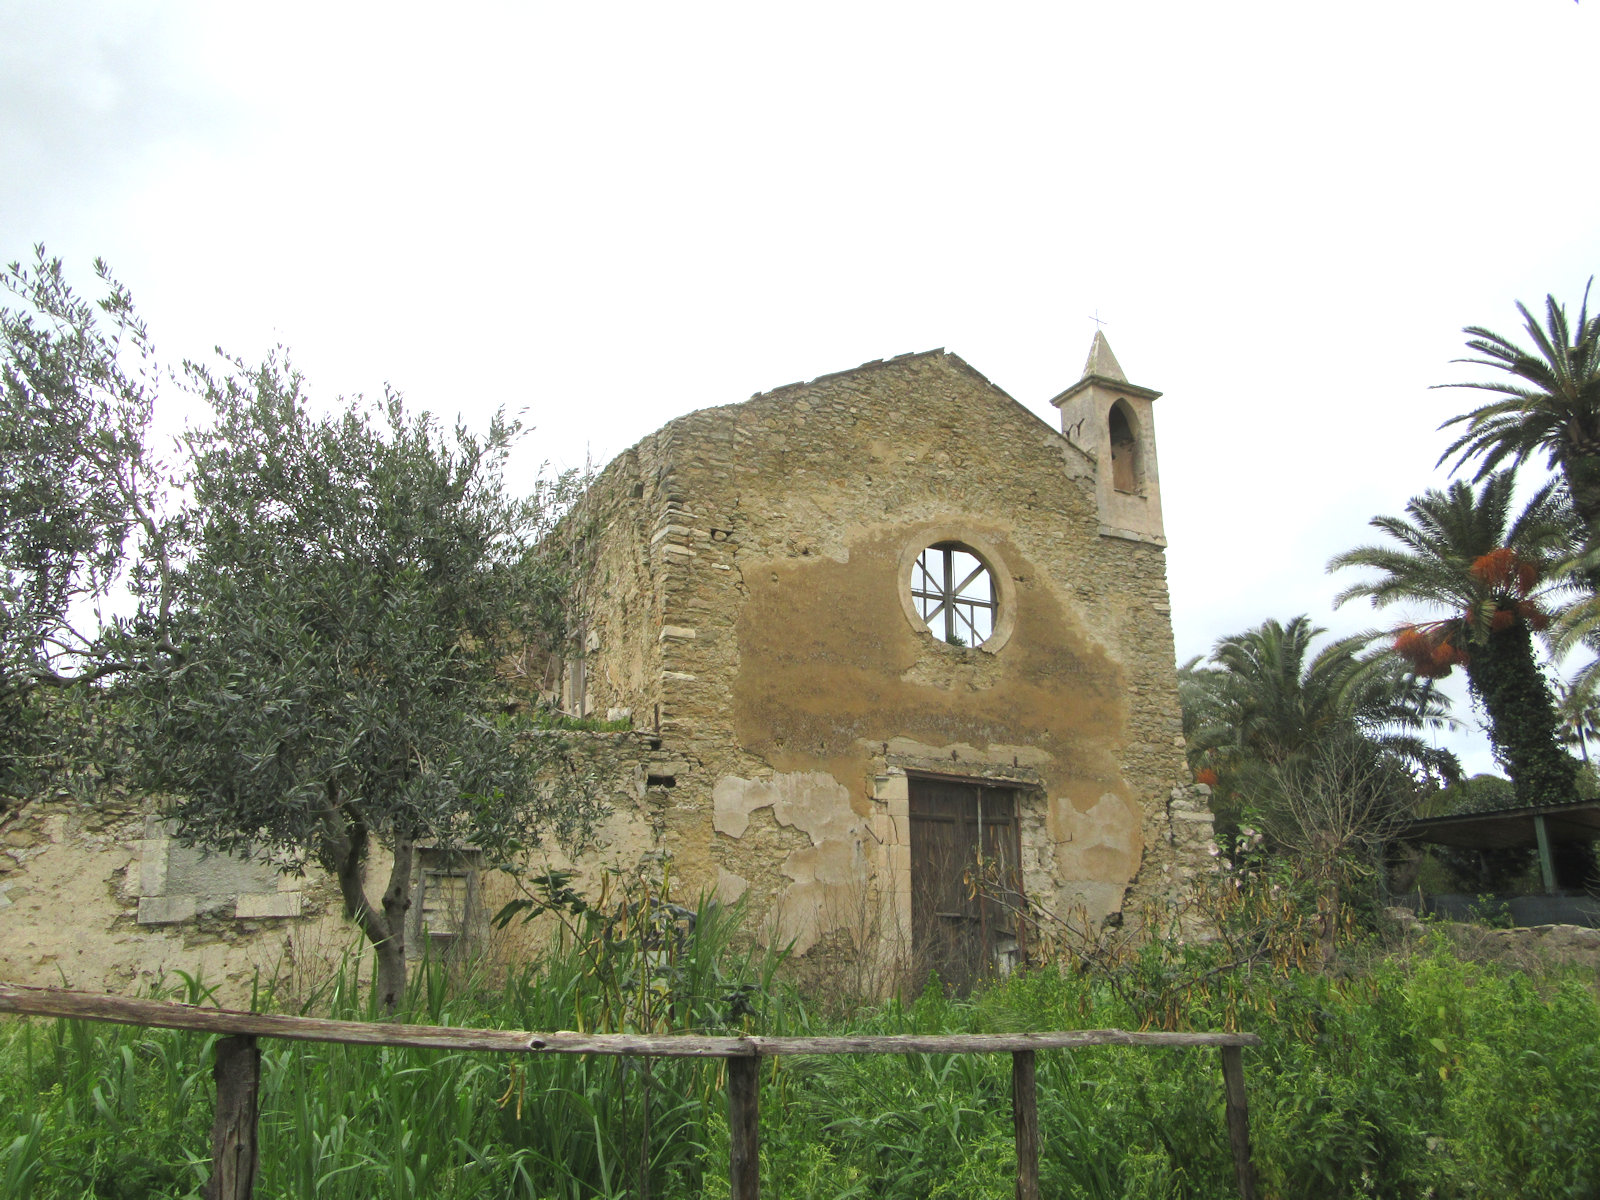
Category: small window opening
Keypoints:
(953, 590)
(1124, 450)
(445, 903)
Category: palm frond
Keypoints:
(1549, 403)
(1268, 696)
(1445, 532)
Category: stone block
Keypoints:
(667, 531)
(212, 873)
(892, 787)
(272, 904)
(153, 866)
(167, 910)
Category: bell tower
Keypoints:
(1113, 421)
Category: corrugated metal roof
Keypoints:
(1499, 828)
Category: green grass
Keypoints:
(1418, 1077)
(543, 718)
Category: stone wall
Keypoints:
(100, 897)
(1530, 948)
(795, 694)
(618, 532)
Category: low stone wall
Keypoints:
(1525, 948)
(102, 896)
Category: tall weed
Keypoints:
(1422, 1076)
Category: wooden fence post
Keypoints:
(233, 1133)
(1025, 1116)
(1238, 1120)
(744, 1126)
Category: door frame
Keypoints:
(958, 928)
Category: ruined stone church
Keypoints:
(898, 658)
(893, 629)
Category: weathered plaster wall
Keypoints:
(743, 596)
(101, 896)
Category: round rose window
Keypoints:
(953, 591)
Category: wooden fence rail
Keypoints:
(238, 1068)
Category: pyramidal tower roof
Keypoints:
(1101, 361)
(1103, 370)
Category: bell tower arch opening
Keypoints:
(1123, 434)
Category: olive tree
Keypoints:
(344, 588)
(79, 505)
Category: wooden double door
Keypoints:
(966, 880)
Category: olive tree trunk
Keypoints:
(383, 924)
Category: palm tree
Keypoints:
(1550, 404)
(1578, 709)
(1578, 624)
(1323, 748)
(1462, 552)
(1265, 701)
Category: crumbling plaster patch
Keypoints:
(824, 875)
(730, 886)
(811, 801)
(1104, 845)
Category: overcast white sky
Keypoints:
(609, 215)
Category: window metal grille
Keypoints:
(954, 593)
